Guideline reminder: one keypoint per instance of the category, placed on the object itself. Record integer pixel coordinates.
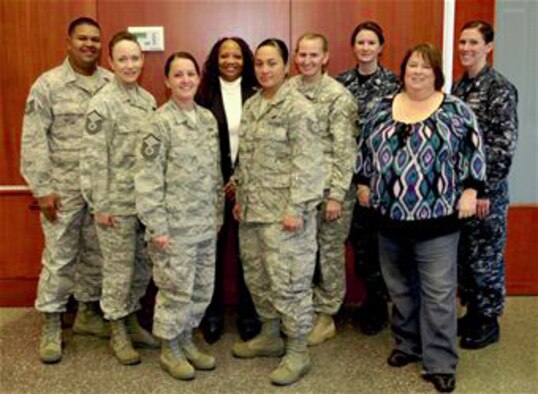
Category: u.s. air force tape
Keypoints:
(94, 122)
(150, 147)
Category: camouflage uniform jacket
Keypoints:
(52, 130)
(381, 84)
(494, 101)
(337, 116)
(114, 120)
(280, 168)
(179, 181)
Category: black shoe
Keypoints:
(372, 317)
(248, 327)
(467, 322)
(443, 382)
(484, 333)
(400, 359)
(212, 328)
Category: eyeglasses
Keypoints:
(403, 131)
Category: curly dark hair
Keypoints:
(209, 84)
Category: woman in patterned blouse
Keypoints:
(420, 165)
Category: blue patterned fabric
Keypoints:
(417, 172)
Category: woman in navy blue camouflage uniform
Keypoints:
(483, 239)
(368, 81)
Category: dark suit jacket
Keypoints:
(216, 106)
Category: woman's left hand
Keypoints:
(467, 204)
(292, 223)
(229, 190)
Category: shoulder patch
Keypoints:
(30, 107)
(150, 147)
(94, 122)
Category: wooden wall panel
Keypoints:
(20, 236)
(194, 26)
(522, 250)
(467, 10)
(405, 23)
(32, 35)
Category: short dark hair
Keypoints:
(483, 27)
(432, 56)
(368, 25)
(179, 55)
(278, 44)
(83, 20)
(210, 75)
(121, 36)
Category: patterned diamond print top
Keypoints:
(417, 171)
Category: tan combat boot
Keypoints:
(89, 322)
(294, 365)
(323, 330)
(174, 362)
(50, 346)
(268, 343)
(199, 360)
(140, 336)
(121, 343)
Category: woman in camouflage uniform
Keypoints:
(336, 111)
(368, 81)
(483, 239)
(179, 199)
(280, 182)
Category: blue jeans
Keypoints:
(421, 279)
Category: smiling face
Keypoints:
(367, 47)
(84, 46)
(127, 61)
(310, 58)
(183, 81)
(473, 50)
(230, 60)
(419, 74)
(270, 68)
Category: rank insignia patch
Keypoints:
(94, 122)
(150, 147)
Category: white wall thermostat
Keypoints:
(151, 38)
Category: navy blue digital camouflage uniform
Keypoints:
(364, 226)
(482, 244)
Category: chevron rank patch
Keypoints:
(94, 122)
(150, 147)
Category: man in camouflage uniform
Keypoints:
(51, 141)
(367, 89)
(114, 118)
(337, 118)
(280, 176)
(181, 201)
(483, 239)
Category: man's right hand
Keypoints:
(49, 206)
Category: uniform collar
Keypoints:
(70, 76)
(180, 117)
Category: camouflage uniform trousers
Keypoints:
(278, 267)
(126, 271)
(364, 238)
(481, 257)
(185, 276)
(330, 283)
(71, 261)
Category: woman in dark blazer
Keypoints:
(227, 82)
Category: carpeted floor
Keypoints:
(350, 363)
